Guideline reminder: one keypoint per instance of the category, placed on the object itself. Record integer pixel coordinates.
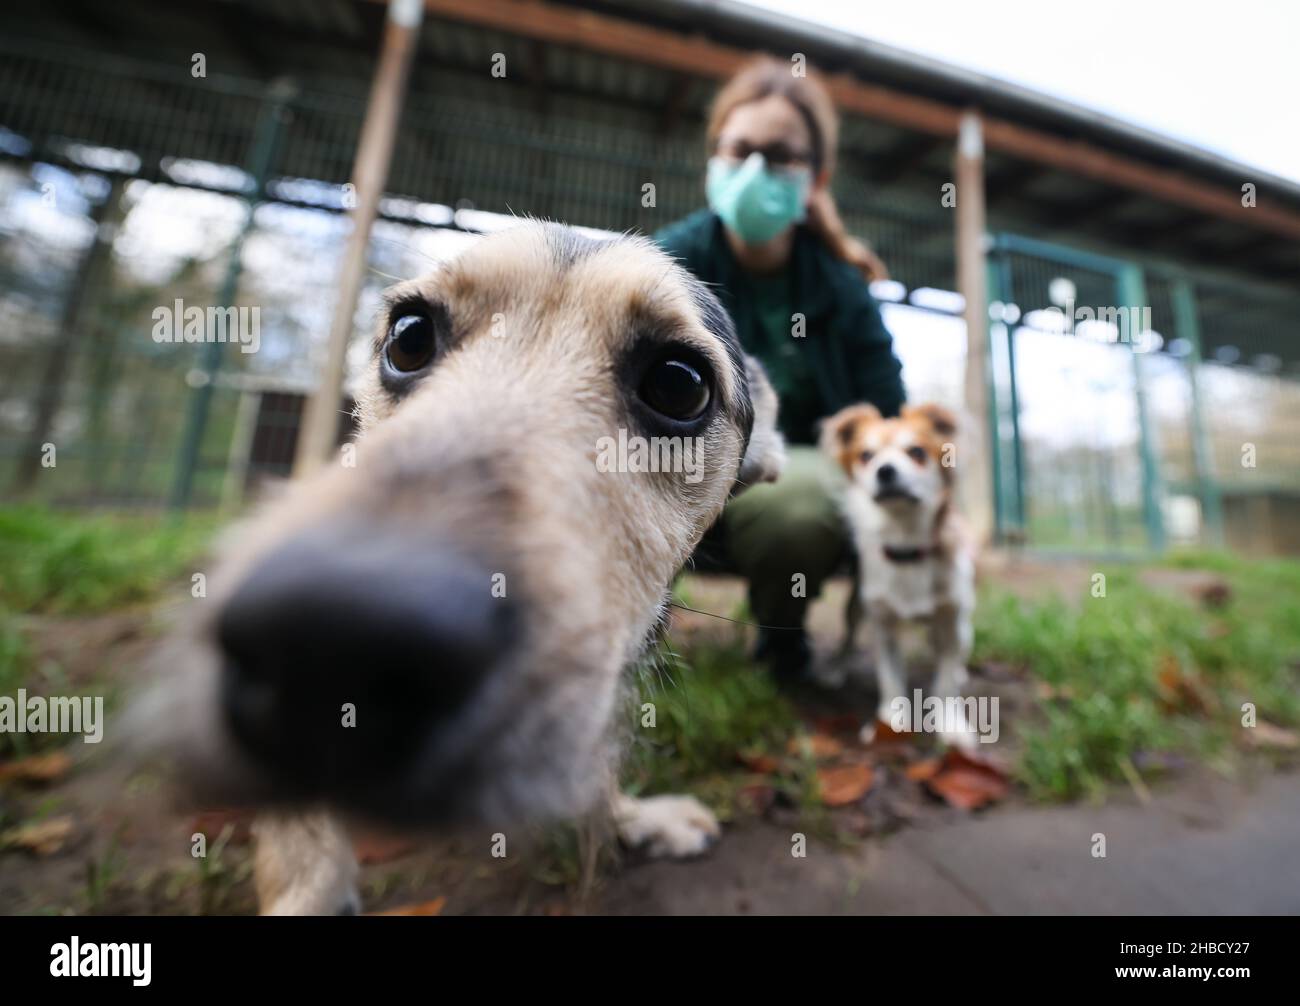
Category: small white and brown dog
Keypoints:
(917, 560)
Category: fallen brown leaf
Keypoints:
(1168, 679)
(1181, 690)
(968, 782)
(44, 838)
(843, 784)
(758, 761)
(957, 757)
(37, 768)
(886, 734)
(433, 907)
(924, 769)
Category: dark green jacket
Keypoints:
(846, 354)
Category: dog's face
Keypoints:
(436, 632)
(903, 465)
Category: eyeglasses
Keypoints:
(777, 155)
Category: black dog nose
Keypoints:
(886, 475)
(343, 652)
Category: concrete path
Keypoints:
(1202, 846)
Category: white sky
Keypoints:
(1224, 77)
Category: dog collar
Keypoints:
(905, 554)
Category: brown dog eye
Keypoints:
(917, 454)
(675, 389)
(411, 342)
(865, 457)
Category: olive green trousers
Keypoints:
(784, 537)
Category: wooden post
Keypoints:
(320, 425)
(975, 467)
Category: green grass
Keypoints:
(1104, 656)
(68, 563)
(16, 670)
(62, 562)
(14, 656)
(706, 707)
(1099, 710)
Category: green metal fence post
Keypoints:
(1188, 326)
(1008, 460)
(266, 141)
(1008, 288)
(992, 419)
(1133, 296)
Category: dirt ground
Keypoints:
(120, 844)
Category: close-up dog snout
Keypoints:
(886, 475)
(343, 652)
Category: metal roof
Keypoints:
(958, 85)
(565, 135)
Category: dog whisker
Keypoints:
(386, 275)
(737, 621)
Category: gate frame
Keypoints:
(1130, 287)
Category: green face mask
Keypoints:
(755, 202)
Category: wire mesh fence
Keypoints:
(156, 197)
(1069, 436)
(154, 202)
(1106, 401)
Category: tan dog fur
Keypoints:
(493, 451)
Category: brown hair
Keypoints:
(762, 77)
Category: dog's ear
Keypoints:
(838, 431)
(765, 456)
(941, 420)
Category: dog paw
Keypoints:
(951, 680)
(675, 827)
(960, 734)
(963, 740)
